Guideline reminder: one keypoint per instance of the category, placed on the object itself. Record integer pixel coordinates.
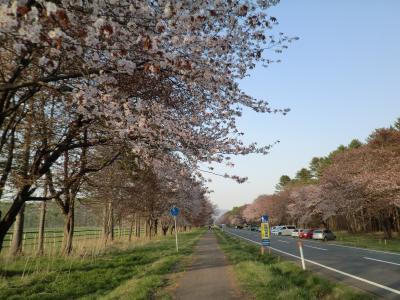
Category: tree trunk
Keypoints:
(387, 228)
(105, 221)
(164, 230)
(146, 228)
(111, 221)
(68, 230)
(16, 247)
(17, 238)
(131, 230)
(155, 227)
(9, 218)
(137, 226)
(396, 220)
(108, 226)
(149, 227)
(40, 249)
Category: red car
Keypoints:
(306, 234)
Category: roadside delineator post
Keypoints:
(303, 264)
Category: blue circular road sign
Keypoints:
(174, 211)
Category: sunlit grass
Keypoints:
(374, 240)
(130, 272)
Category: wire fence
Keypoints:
(53, 236)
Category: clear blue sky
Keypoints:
(341, 80)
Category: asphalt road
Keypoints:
(377, 272)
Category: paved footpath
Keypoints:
(210, 276)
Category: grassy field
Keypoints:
(136, 272)
(373, 240)
(266, 277)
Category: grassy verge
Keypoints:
(133, 273)
(265, 277)
(373, 240)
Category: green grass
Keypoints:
(373, 240)
(266, 277)
(135, 273)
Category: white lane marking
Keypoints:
(365, 249)
(352, 247)
(329, 268)
(384, 261)
(283, 241)
(315, 247)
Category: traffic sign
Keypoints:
(174, 211)
(265, 233)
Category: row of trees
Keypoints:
(355, 188)
(119, 101)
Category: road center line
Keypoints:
(326, 267)
(283, 241)
(364, 249)
(384, 261)
(315, 247)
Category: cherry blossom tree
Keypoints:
(254, 211)
(363, 184)
(148, 192)
(159, 74)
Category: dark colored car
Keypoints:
(254, 228)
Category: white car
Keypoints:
(274, 229)
(285, 230)
(296, 232)
(323, 234)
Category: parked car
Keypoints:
(323, 234)
(285, 230)
(238, 226)
(254, 228)
(296, 233)
(274, 229)
(306, 234)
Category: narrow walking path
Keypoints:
(210, 276)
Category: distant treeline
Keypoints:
(354, 188)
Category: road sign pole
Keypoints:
(176, 235)
(174, 211)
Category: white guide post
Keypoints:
(303, 264)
